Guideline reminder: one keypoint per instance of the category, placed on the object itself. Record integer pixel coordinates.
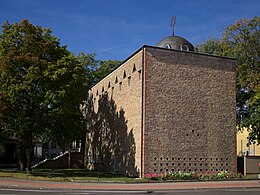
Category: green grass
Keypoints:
(69, 175)
(81, 175)
(24, 175)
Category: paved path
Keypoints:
(10, 182)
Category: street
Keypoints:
(234, 191)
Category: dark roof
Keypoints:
(175, 42)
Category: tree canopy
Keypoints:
(41, 86)
(242, 42)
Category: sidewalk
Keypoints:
(10, 183)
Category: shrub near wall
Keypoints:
(223, 175)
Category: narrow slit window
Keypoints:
(139, 73)
(129, 79)
(124, 76)
(120, 85)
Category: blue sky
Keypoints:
(114, 29)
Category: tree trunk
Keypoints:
(69, 160)
(22, 157)
(27, 152)
(29, 159)
(83, 151)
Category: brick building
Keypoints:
(165, 108)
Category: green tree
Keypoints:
(242, 42)
(41, 87)
(105, 67)
(96, 69)
(212, 46)
(67, 88)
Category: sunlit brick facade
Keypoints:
(164, 110)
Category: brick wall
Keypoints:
(189, 112)
(183, 101)
(117, 103)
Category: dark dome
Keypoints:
(175, 42)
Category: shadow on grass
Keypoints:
(77, 173)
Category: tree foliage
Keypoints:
(212, 46)
(41, 86)
(242, 42)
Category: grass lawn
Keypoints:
(68, 175)
(77, 175)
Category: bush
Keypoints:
(223, 175)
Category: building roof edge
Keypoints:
(154, 47)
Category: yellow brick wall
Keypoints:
(124, 87)
(242, 140)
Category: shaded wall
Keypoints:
(117, 108)
(249, 165)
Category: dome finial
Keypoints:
(173, 22)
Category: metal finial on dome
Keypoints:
(175, 42)
(173, 22)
